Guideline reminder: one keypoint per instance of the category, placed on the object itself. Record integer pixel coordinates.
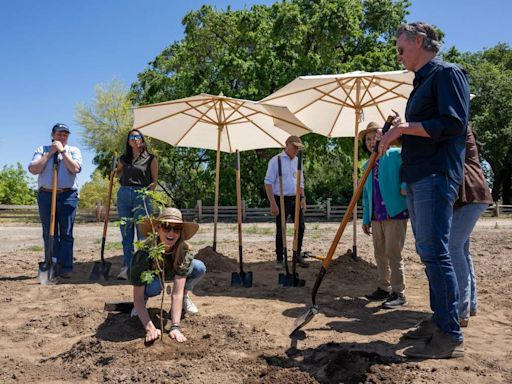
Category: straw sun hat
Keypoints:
(169, 215)
(371, 127)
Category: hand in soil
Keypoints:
(177, 335)
(152, 334)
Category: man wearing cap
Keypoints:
(289, 163)
(69, 165)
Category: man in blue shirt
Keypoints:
(70, 164)
(289, 163)
(433, 148)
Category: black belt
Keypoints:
(59, 190)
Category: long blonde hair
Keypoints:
(178, 253)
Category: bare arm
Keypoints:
(154, 174)
(152, 333)
(270, 196)
(178, 290)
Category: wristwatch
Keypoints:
(63, 151)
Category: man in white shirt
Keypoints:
(289, 163)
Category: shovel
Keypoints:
(102, 268)
(240, 279)
(296, 281)
(308, 315)
(285, 279)
(47, 273)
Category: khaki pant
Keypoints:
(388, 242)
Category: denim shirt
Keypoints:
(440, 102)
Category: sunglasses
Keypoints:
(171, 228)
(135, 137)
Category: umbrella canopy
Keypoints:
(335, 105)
(220, 123)
(197, 121)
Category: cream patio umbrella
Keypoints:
(219, 123)
(335, 105)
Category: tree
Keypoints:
(96, 191)
(106, 122)
(251, 53)
(16, 187)
(490, 74)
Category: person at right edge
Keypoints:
(433, 140)
(474, 198)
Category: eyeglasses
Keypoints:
(400, 51)
(171, 228)
(135, 137)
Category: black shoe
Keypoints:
(378, 294)
(424, 330)
(395, 300)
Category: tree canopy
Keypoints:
(251, 53)
(16, 187)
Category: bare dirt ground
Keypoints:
(61, 333)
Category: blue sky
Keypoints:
(54, 52)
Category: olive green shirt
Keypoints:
(141, 262)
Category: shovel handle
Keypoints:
(239, 209)
(109, 198)
(348, 213)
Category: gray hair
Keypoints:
(411, 30)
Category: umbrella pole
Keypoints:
(216, 203)
(356, 157)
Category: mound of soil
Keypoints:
(215, 261)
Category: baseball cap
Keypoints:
(295, 140)
(60, 127)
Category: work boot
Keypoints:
(423, 330)
(395, 300)
(377, 295)
(439, 346)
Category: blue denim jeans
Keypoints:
(64, 218)
(130, 208)
(197, 273)
(464, 220)
(430, 202)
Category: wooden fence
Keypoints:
(201, 213)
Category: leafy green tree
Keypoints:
(96, 191)
(106, 122)
(490, 74)
(16, 187)
(251, 53)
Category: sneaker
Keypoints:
(123, 274)
(395, 300)
(378, 294)
(188, 306)
(439, 346)
(472, 312)
(423, 330)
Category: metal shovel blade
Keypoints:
(47, 274)
(243, 279)
(288, 280)
(100, 270)
(305, 318)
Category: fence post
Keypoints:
(497, 208)
(244, 211)
(328, 208)
(99, 208)
(199, 207)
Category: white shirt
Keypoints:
(289, 171)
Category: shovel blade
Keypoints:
(288, 280)
(304, 318)
(241, 279)
(100, 270)
(47, 273)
